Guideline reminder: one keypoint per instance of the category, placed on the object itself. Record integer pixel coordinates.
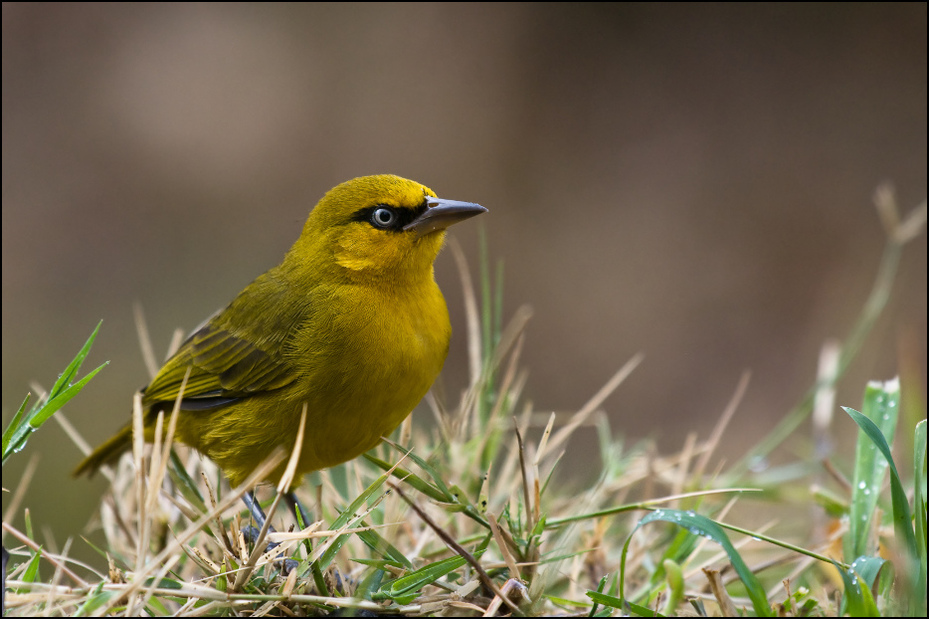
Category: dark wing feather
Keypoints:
(237, 353)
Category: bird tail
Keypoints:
(107, 453)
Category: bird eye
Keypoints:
(383, 217)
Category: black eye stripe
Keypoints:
(402, 216)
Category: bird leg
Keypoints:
(251, 533)
(299, 511)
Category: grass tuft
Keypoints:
(472, 518)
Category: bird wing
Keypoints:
(236, 354)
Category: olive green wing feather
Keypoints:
(239, 352)
(236, 354)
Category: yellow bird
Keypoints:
(351, 324)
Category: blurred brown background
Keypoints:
(693, 182)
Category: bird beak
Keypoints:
(440, 214)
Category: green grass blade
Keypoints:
(612, 601)
(32, 570)
(373, 540)
(15, 423)
(97, 599)
(553, 523)
(75, 366)
(498, 304)
(881, 406)
(903, 526)
(404, 590)
(370, 584)
(919, 506)
(411, 479)
(858, 599)
(600, 586)
(17, 432)
(486, 300)
(701, 525)
(674, 576)
(434, 474)
(919, 487)
(345, 517)
(868, 568)
(185, 483)
(55, 404)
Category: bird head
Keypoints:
(380, 226)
